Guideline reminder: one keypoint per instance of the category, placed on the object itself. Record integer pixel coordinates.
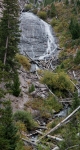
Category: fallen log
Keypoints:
(59, 125)
(54, 138)
(52, 92)
(56, 148)
(74, 85)
(30, 142)
(78, 90)
(42, 127)
(39, 132)
(65, 101)
(72, 147)
(32, 134)
(51, 137)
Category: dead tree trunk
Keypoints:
(7, 41)
(5, 55)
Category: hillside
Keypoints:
(40, 109)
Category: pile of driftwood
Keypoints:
(48, 63)
(47, 134)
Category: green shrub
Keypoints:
(31, 88)
(54, 22)
(16, 85)
(2, 93)
(42, 15)
(58, 81)
(77, 58)
(28, 7)
(41, 147)
(70, 136)
(75, 102)
(23, 60)
(20, 145)
(35, 11)
(60, 27)
(53, 104)
(66, 2)
(26, 118)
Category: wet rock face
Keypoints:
(35, 34)
(33, 37)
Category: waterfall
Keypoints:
(51, 45)
(37, 39)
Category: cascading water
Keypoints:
(51, 45)
(37, 39)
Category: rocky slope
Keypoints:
(26, 81)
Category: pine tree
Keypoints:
(16, 85)
(9, 32)
(71, 140)
(75, 102)
(74, 28)
(77, 58)
(8, 131)
(53, 10)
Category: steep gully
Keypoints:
(35, 34)
(39, 43)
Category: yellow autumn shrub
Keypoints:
(59, 81)
(23, 60)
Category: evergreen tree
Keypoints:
(9, 32)
(47, 2)
(77, 58)
(4, 144)
(53, 10)
(71, 139)
(16, 85)
(8, 131)
(75, 102)
(66, 2)
(74, 28)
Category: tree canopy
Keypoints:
(9, 32)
